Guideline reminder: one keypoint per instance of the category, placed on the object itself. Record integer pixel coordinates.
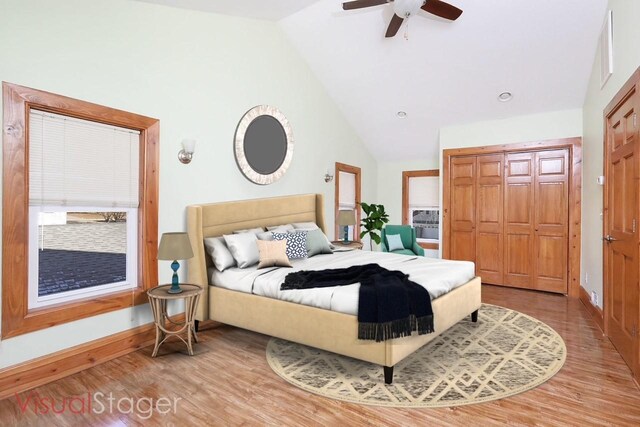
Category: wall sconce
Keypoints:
(328, 175)
(188, 148)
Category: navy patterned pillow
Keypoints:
(296, 243)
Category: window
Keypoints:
(347, 197)
(80, 230)
(80, 243)
(421, 205)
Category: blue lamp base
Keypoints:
(175, 285)
(346, 234)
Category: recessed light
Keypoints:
(505, 97)
(401, 114)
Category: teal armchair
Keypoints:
(408, 237)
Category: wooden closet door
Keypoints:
(463, 208)
(551, 219)
(519, 227)
(489, 214)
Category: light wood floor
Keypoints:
(228, 382)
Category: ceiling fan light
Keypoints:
(406, 8)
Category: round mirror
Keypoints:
(263, 144)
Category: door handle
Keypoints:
(609, 239)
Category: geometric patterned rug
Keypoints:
(503, 354)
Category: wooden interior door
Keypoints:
(551, 220)
(463, 208)
(620, 227)
(489, 214)
(519, 227)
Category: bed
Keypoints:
(312, 325)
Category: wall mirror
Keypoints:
(263, 144)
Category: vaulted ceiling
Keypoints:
(440, 73)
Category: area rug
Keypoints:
(503, 354)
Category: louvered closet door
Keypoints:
(519, 220)
(463, 208)
(489, 215)
(551, 220)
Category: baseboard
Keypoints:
(43, 370)
(596, 312)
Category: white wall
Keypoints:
(535, 127)
(626, 50)
(390, 184)
(196, 72)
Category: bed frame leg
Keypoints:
(388, 374)
(196, 325)
(474, 316)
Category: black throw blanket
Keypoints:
(390, 305)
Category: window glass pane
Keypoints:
(426, 222)
(78, 250)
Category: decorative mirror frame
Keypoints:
(241, 159)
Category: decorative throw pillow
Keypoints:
(395, 242)
(280, 228)
(308, 226)
(296, 243)
(273, 254)
(316, 243)
(244, 249)
(220, 255)
(256, 230)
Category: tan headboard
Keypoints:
(216, 219)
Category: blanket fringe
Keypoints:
(395, 329)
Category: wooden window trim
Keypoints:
(406, 175)
(17, 318)
(574, 145)
(343, 167)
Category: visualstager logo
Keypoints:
(98, 403)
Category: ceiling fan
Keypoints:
(403, 9)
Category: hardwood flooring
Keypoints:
(229, 383)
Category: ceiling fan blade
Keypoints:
(442, 9)
(394, 26)
(359, 4)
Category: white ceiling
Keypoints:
(272, 10)
(445, 73)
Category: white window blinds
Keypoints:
(347, 191)
(423, 192)
(74, 162)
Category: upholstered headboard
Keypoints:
(216, 219)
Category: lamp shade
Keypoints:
(347, 217)
(174, 246)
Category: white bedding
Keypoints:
(437, 276)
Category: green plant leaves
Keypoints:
(374, 221)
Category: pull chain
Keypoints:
(406, 30)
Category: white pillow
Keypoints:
(305, 225)
(220, 255)
(265, 235)
(281, 228)
(244, 248)
(395, 242)
(256, 230)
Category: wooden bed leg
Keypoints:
(388, 374)
(474, 316)
(196, 325)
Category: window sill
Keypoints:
(53, 315)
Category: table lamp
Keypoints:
(175, 246)
(345, 219)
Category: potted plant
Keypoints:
(375, 219)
